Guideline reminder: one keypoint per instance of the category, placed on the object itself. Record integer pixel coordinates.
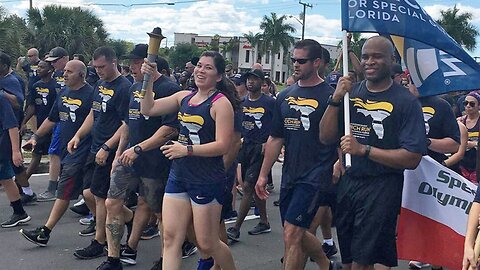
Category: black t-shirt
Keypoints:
(151, 163)
(58, 77)
(110, 108)
(31, 72)
(296, 118)
(7, 121)
(439, 122)
(469, 160)
(257, 119)
(391, 119)
(42, 96)
(70, 110)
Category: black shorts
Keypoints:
(96, 177)
(70, 182)
(299, 204)
(252, 159)
(42, 145)
(366, 219)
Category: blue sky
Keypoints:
(229, 18)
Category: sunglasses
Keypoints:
(301, 61)
(471, 103)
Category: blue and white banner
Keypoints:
(435, 61)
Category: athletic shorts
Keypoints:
(97, 178)
(55, 147)
(199, 194)
(70, 182)
(299, 204)
(366, 219)
(43, 144)
(252, 159)
(150, 189)
(6, 170)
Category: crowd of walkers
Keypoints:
(183, 147)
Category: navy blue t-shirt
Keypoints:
(151, 163)
(439, 122)
(7, 121)
(11, 85)
(21, 81)
(110, 108)
(31, 72)
(391, 119)
(197, 127)
(70, 110)
(298, 111)
(42, 96)
(257, 119)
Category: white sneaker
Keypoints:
(417, 265)
(86, 220)
(82, 201)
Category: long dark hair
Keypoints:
(225, 86)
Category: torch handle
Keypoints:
(151, 58)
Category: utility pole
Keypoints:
(305, 5)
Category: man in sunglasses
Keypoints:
(308, 164)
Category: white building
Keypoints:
(245, 55)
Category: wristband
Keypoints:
(189, 150)
(105, 148)
(330, 102)
(367, 150)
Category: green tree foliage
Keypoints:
(121, 47)
(76, 29)
(182, 53)
(13, 34)
(458, 26)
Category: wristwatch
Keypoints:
(330, 102)
(189, 150)
(138, 149)
(367, 150)
(105, 148)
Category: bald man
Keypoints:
(70, 110)
(257, 66)
(388, 136)
(30, 65)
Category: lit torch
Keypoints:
(153, 45)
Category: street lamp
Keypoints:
(300, 22)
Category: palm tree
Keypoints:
(458, 26)
(77, 30)
(276, 35)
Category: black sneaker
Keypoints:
(329, 250)
(94, 250)
(128, 255)
(150, 232)
(28, 199)
(16, 219)
(90, 230)
(107, 265)
(81, 209)
(188, 249)
(233, 234)
(260, 228)
(37, 236)
(157, 265)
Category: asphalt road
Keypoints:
(252, 252)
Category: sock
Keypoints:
(47, 231)
(113, 260)
(17, 207)
(328, 241)
(52, 186)
(27, 190)
(20, 190)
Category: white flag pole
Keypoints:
(346, 98)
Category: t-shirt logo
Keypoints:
(305, 106)
(256, 113)
(106, 94)
(33, 71)
(378, 110)
(137, 98)
(60, 80)
(72, 104)
(193, 123)
(43, 92)
(428, 113)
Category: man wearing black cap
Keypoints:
(257, 119)
(239, 81)
(142, 163)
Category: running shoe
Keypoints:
(329, 250)
(205, 264)
(150, 232)
(231, 216)
(94, 250)
(107, 265)
(90, 230)
(260, 228)
(46, 196)
(128, 255)
(80, 208)
(86, 220)
(36, 236)
(28, 199)
(417, 265)
(233, 234)
(188, 249)
(16, 219)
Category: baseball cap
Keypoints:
(256, 72)
(333, 77)
(138, 52)
(238, 79)
(56, 53)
